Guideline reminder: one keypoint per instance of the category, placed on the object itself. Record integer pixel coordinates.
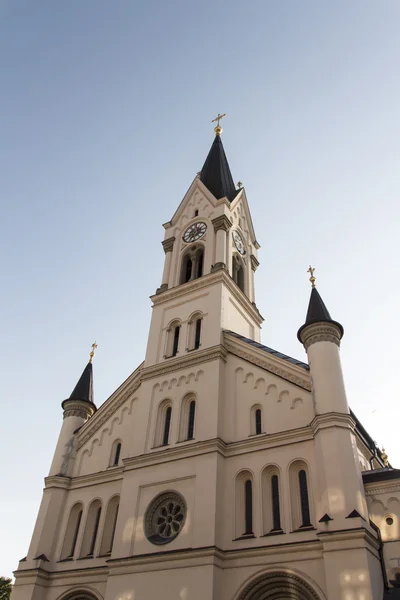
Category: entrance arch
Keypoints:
(278, 585)
(79, 595)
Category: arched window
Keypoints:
(163, 424)
(172, 342)
(238, 272)
(110, 525)
(192, 410)
(187, 418)
(72, 532)
(256, 420)
(167, 425)
(270, 500)
(192, 264)
(244, 504)
(194, 331)
(196, 213)
(91, 529)
(115, 453)
(300, 495)
(305, 507)
(248, 492)
(276, 513)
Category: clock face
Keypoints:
(238, 242)
(194, 232)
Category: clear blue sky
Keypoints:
(105, 111)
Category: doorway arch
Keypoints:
(278, 585)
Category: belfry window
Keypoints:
(176, 340)
(172, 339)
(238, 272)
(192, 264)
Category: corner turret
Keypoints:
(78, 408)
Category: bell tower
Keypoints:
(210, 260)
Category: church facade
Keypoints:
(221, 469)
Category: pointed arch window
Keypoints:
(271, 511)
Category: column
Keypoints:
(168, 246)
(221, 226)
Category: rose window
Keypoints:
(165, 518)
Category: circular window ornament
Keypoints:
(389, 521)
(164, 518)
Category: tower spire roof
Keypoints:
(216, 174)
(84, 388)
(317, 311)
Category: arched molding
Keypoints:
(271, 506)
(256, 420)
(170, 338)
(159, 434)
(72, 531)
(242, 525)
(185, 414)
(80, 593)
(110, 523)
(115, 455)
(294, 468)
(277, 583)
(194, 331)
(91, 529)
(196, 254)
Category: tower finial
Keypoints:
(312, 278)
(91, 355)
(218, 128)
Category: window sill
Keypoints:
(106, 555)
(257, 434)
(68, 559)
(305, 528)
(87, 557)
(193, 349)
(245, 536)
(186, 441)
(276, 532)
(161, 446)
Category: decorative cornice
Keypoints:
(254, 262)
(320, 332)
(57, 481)
(271, 364)
(211, 278)
(221, 222)
(373, 489)
(78, 408)
(176, 363)
(108, 475)
(110, 406)
(168, 244)
(357, 534)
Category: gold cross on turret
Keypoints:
(218, 128)
(312, 278)
(91, 355)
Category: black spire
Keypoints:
(216, 174)
(84, 388)
(317, 313)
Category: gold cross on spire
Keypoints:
(218, 128)
(312, 278)
(91, 355)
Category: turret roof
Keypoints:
(84, 388)
(317, 313)
(216, 174)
